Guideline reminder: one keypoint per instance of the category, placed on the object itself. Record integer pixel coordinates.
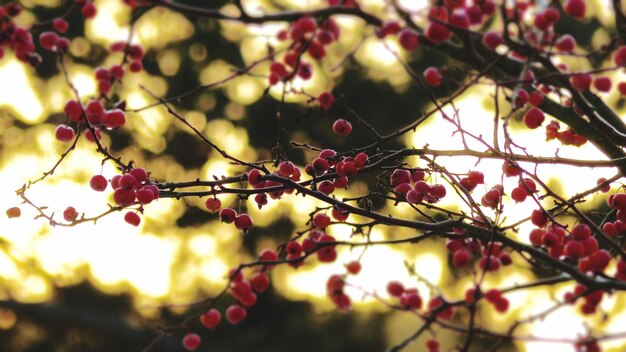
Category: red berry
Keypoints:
(342, 301)
(48, 40)
(620, 56)
(471, 295)
(621, 87)
(519, 194)
(490, 263)
(437, 191)
(539, 218)
(326, 100)
(124, 196)
(574, 249)
(64, 133)
(293, 248)
(491, 198)
(575, 8)
(493, 295)
(505, 259)
(132, 218)
(135, 66)
(432, 77)
(102, 74)
(467, 184)
(437, 33)
(95, 112)
(326, 187)
(475, 14)
(446, 314)
(605, 188)
(320, 165)
(342, 127)
(117, 71)
(511, 169)
(211, 318)
(389, 28)
(535, 98)
(581, 231)
(399, 176)
(600, 259)
(321, 221)
(191, 341)
(13, 212)
(565, 43)
(492, 40)
(89, 10)
(316, 50)
(63, 44)
(591, 245)
(411, 299)
(243, 222)
(286, 168)
(340, 214)
(73, 110)
(409, 39)
(259, 282)
(610, 229)
(521, 97)
(581, 82)
(114, 118)
(534, 118)
(602, 84)
(268, 255)
(462, 257)
(135, 52)
(502, 305)
(70, 214)
(552, 14)
(235, 314)
(327, 254)
(140, 174)
(353, 267)
(340, 182)
(146, 195)
(306, 24)
(98, 183)
(228, 215)
(395, 288)
(432, 344)
(361, 160)
(476, 177)
(460, 19)
(213, 204)
(60, 25)
(305, 71)
(128, 181)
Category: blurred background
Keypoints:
(108, 286)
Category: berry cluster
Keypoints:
(97, 116)
(308, 36)
(334, 289)
(591, 298)
(491, 256)
(18, 39)
(243, 291)
(493, 296)
(131, 188)
(241, 221)
(409, 298)
(566, 137)
(400, 180)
